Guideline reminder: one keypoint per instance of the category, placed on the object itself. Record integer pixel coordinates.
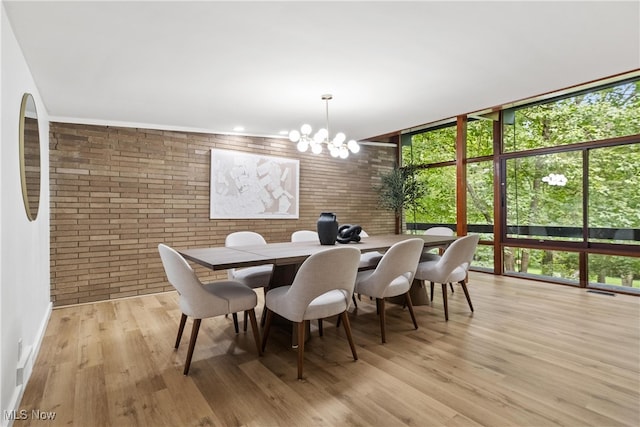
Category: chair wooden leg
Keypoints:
(192, 344)
(353, 297)
(301, 328)
(320, 327)
(246, 320)
(267, 327)
(431, 292)
(347, 329)
(444, 299)
(451, 286)
(466, 293)
(183, 320)
(410, 307)
(380, 305)
(263, 317)
(235, 322)
(254, 328)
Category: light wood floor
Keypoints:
(532, 354)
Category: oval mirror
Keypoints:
(29, 156)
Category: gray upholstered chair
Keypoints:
(202, 301)
(453, 266)
(322, 287)
(312, 236)
(369, 259)
(429, 256)
(392, 277)
(435, 231)
(258, 276)
(308, 236)
(305, 236)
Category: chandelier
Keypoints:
(337, 146)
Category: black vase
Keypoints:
(327, 228)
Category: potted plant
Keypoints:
(399, 189)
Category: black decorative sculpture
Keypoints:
(349, 233)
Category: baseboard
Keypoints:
(24, 369)
(39, 337)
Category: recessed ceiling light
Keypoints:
(238, 128)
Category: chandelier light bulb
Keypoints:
(294, 136)
(306, 129)
(353, 146)
(303, 146)
(319, 137)
(334, 151)
(339, 138)
(316, 148)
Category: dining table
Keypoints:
(287, 257)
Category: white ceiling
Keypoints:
(212, 65)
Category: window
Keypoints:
(480, 199)
(569, 170)
(614, 199)
(432, 154)
(433, 146)
(438, 206)
(603, 114)
(479, 138)
(607, 271)
(557, 265)
(544, 197)
(572, 169)
(483, 258)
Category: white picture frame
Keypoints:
(253, 186)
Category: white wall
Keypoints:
(24, 250)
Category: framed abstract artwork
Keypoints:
(253, 186)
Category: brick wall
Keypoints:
(118, 192)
